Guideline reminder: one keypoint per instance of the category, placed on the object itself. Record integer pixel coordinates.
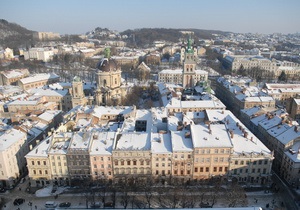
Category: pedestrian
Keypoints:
(19, 188)
(35, 207)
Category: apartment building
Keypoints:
(46, 36)
(176, 76)
(280, 135)
(212, 150)
(101, 155)
(61, 98)
(42, 54)
(295, 109)
(78, 157)
(11, 77)
(12, 162)
(239, 93)
(38, 80)
(161, 158)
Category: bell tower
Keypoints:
(189, 66)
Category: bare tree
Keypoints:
(236, 196)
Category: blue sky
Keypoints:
(80, 16)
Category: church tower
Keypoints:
(78, 97)
(189, 66)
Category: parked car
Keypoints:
(50, 204)
(19, 201)
(96, 205)
(64, 204)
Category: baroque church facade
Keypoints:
(109, 88)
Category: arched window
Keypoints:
(104, 82)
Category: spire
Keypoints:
(189, 45)
(107, 53)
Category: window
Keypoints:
(39, 163)
(241, 171)
(216, 150)
(116, 163)
(188, 172)
(44, 162)
(226, 169)
(196, 169)
(181, 172)
(242, 162)
(101, 158)
(189, 156)
(175, 171)
(32, 163)
(215, 169)
(258, 170)
(46, 171)
(253, 170)
(259, 162)
(266, 162)
(201, 169)
(128, 162)
(254, 162)
(122, 162)
(236, 162)
(220, 169)
(207, 169)
(142, 162)
(264, 171)
(216, 159)
(157, 165)
(134, 162)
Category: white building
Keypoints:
(13, 148)
(38, 54)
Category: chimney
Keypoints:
(231, 134)
(222, 111)
(210, 131)
(251, 138)
(237, 124)
(245, 134)
(296, 129)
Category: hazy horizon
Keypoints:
(79, 16)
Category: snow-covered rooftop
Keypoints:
(102, 143)
(180, 143)
(10, 137)
(39, 77)
(161, 143)
(133, 141)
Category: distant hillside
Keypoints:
(146, 36)
(13, 35)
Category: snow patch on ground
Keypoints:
(45, 192)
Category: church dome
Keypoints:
(107, 65)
